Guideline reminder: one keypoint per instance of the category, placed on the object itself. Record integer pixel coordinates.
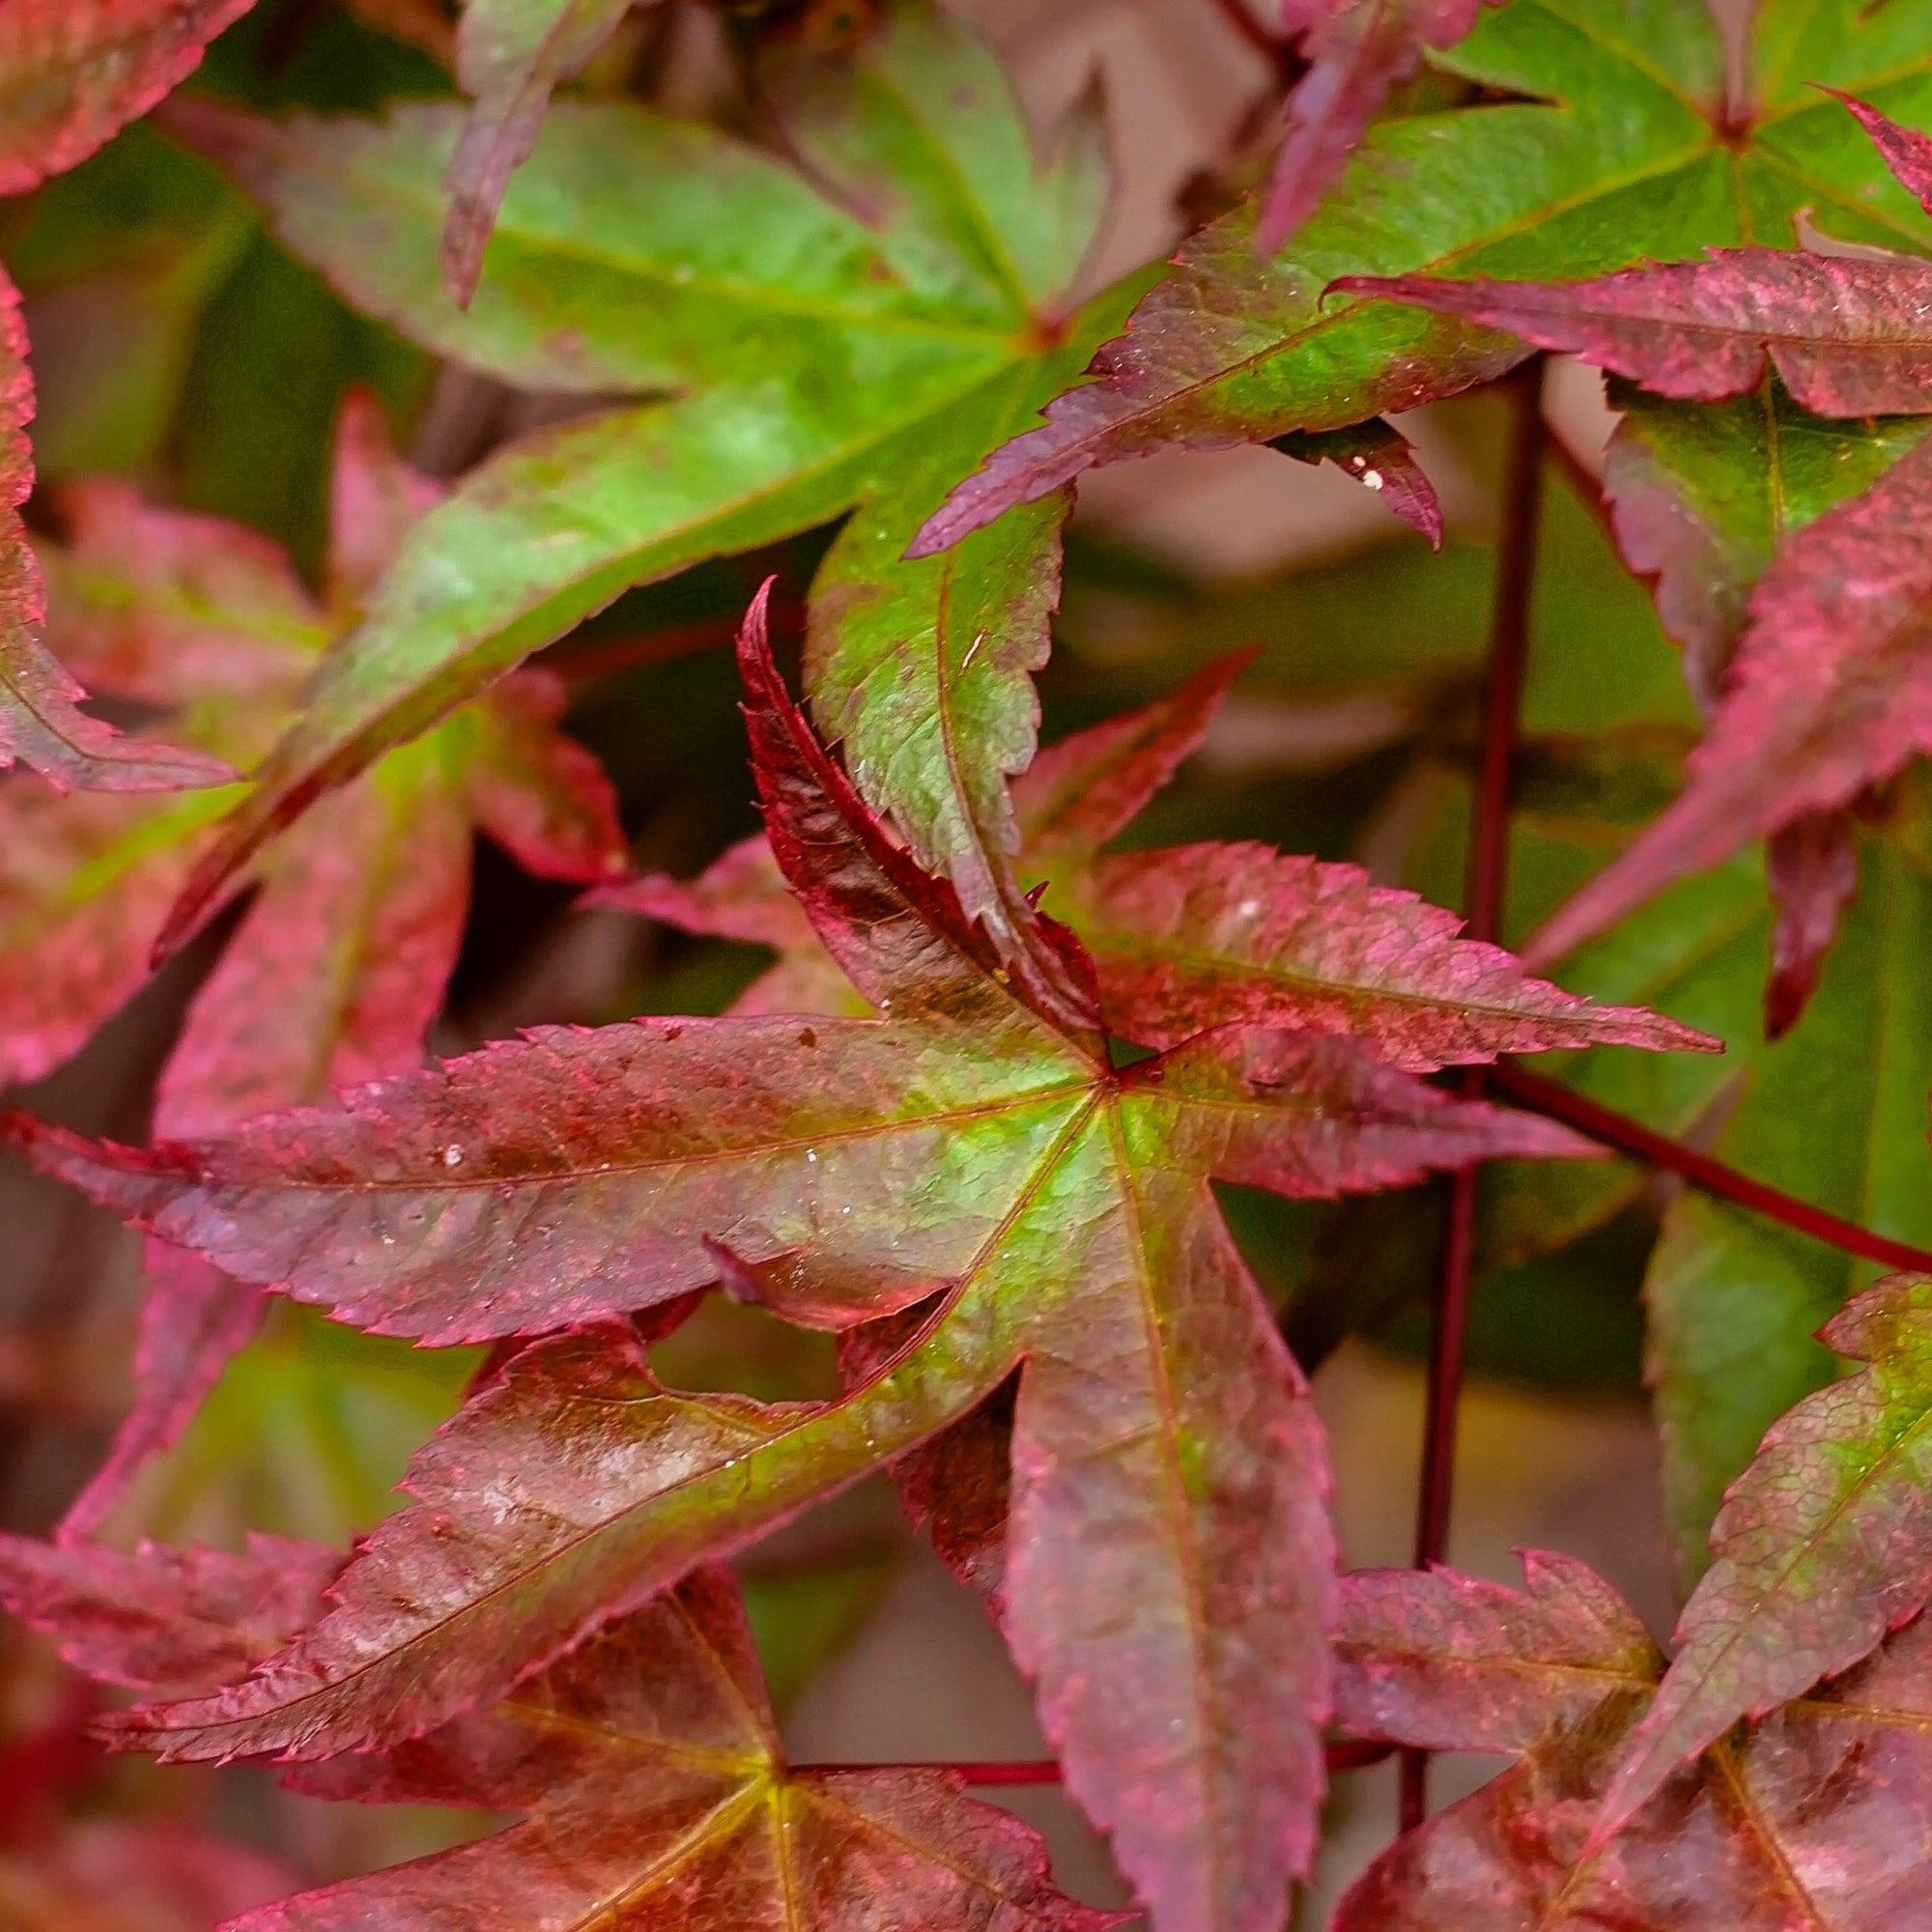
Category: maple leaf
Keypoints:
(509, 56)
(1624, 150)
(1907, 151)
(646, 1765)
(73, 73)
(1357, 53)
(651, 1781)
(927, 257)
(1848, 337)
(1823, 1545)
(338, 968)
(1822, 699)
(1170, 1525)
(1789, 1827)
(1197, 936)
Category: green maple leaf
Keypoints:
(1625, 149)
(809, 350)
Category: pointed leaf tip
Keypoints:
(1356, 54)
(1906, 151)
(511, 54)
(1823, 1545)
(899, 931)
(1379, 457)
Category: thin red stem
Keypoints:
(1632, 1137)
(1342, 1754)
(1487, 876)
(1508, 653)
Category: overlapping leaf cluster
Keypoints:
(972, 1116)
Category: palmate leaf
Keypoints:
(1634, 157)
(1197, 936)
(654, 1792)
(647, 1767)
(1799, 1824)
(856, 342)
(1823, 1545)
(338, 968)
(1170, 1528)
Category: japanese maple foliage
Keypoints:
(1802, 1822)
(647, 1766)
(1356, 52)
(339, 967)
(665, 301)
(858, 1167)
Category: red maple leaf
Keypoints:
(1829, 691)
(646, 1767)
(960, 1150)
(1799, 1824)
(338, 968)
